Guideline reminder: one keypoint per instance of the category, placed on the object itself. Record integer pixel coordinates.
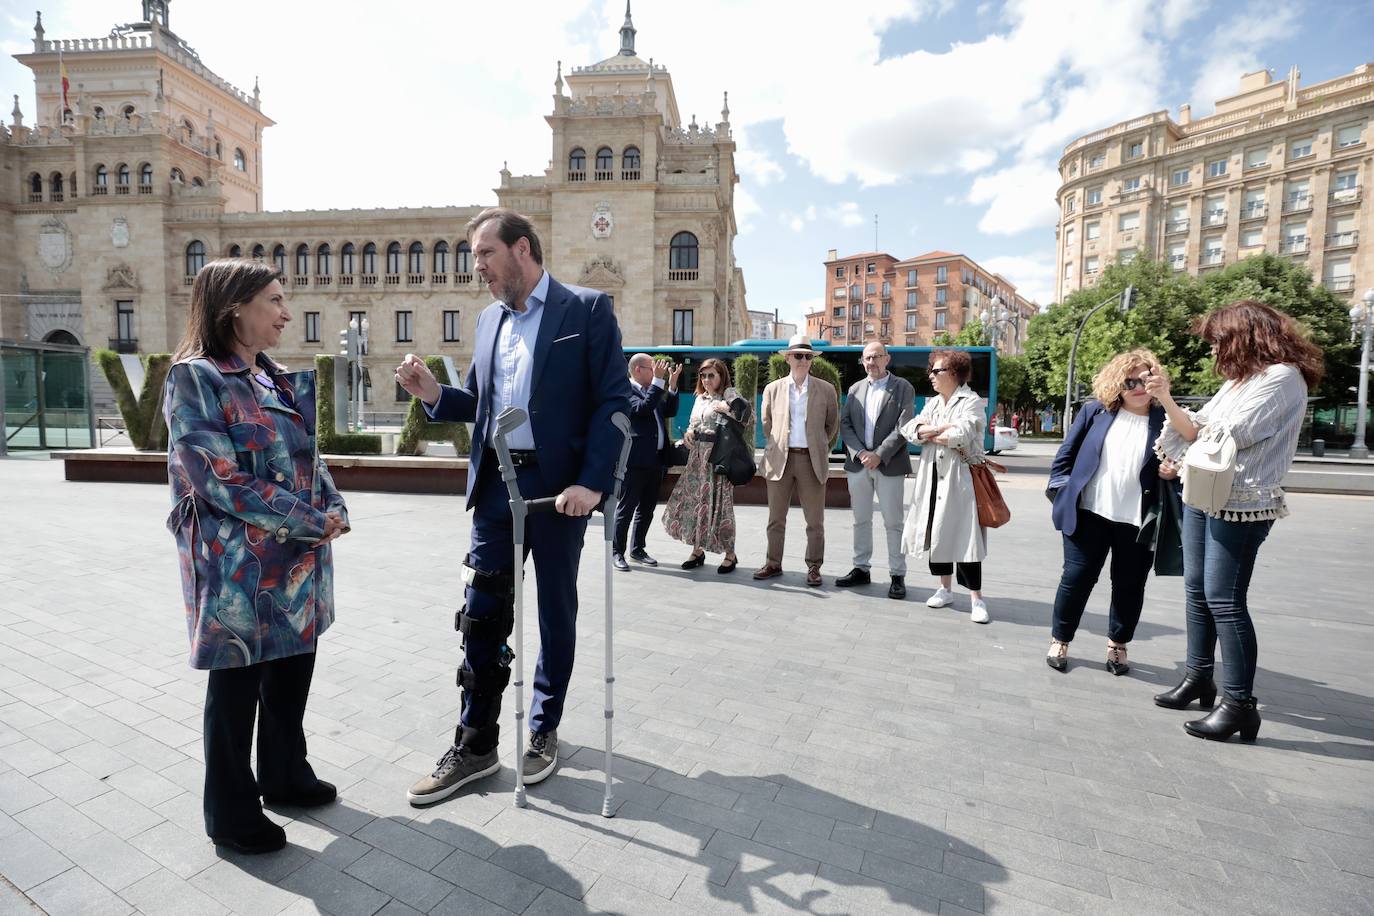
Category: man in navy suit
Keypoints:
(653, 399)
(554, 352)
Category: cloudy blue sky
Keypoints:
(944, 119)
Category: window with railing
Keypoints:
(195, 257)
(122, 179)
(1347, 239)
(1300, 149)
(462, 263)
(369, 271)
(1349, 135)
(441, 257)
(1092, 197)
(1179, 177)
(577, 165)
(605, 163)
(1217, 168)
(279, 258)
(629, 164)
(683, 257)
(393, 259)
(102, 182)
(302, 260)
(124, 325)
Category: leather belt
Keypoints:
(795, 450)
(521, 457)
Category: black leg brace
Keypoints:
(485, 671)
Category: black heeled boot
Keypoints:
(1230, 717)
(1198, 687)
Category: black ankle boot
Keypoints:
(1198, 687)
(1230, 717)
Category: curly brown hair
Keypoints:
(1109, 384)
(1249, 336)
(957, 361)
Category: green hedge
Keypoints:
(330, 442)
(419, 428)
(746, 373)
(142, 413)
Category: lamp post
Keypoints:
(361, 328)
(997, 315)
(1127, 302)
(1362, 314)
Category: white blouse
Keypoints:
(1114, 490)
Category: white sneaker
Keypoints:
(943, 597)
(979, 612)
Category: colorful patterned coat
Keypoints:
(249, 497)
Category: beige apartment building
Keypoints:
(113, 202)
(875, 296)
(1279, 167)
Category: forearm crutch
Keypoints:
(509, 420)
(622, 423)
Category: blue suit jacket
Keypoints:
(579, 380)
(1078, 458)
(647, 415)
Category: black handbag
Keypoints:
(731, 457)
(676, 454)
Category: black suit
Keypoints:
(649, 411)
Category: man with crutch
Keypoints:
(554, 352)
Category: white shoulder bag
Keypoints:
(1209, 467)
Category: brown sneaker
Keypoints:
(767, 571)
(813, 576)
(458, 767)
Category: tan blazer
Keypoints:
(822, 422)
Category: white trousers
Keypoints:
(863, 486)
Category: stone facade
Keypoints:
(155, 166)
(1278, 168)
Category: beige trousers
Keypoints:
(799, 475)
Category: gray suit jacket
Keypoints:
(897, 406)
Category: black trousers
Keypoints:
(1085, 552)
(969, 575)
(274, 693)
(637, 502)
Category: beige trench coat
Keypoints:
(955, 535)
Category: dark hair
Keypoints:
(719, 367)
(1250, 336)
(956, 361)
(511, 227)
(221, 285)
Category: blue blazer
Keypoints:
(1078, 458)
(647, 416)
(579, 380)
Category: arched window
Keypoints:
(630, 159)
(127, 112)
(235, 251)
(195, 257)
(188, 129)
(416, 262)
(682, 252)
(393, 258)
(577, 161)
(55, 186)
(369, 258)
(102, 179)
(99, 113)
(176, 175)
(302, 259)
(122, 176)
(259, 252)
(323, 260)
(71, 186)
(441, 257)
(279, 258)
(240, 161)
(346, 259)
(145, 175)
(605, 161)
(197, 183)
(462, 258)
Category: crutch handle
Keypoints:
(547, 504)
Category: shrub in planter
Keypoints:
(142, 412)
(419, 428)
(328, 441)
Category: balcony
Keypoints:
(603, 175)
(345, 279)
(462, 278)
(1092, 205)
(391, 279)
(1295, 245)
(1254, 211)
(367, 280)
(629, 174)
(438, 279)
(1296, 202)
(145, 189)
(1175, 226)
(324, 280)
(1335, 284)
(577, 176)
(130, 344)
(1343, 196)
(188, 281)
(35, 198)
(415, 279)
(122, 189)
(1212, 258)
(100, 190)
(1343, 239)
(682, 276)
(1214, 218)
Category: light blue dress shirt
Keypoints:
(513, 362)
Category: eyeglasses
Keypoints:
(1133, 383)
(706, 375)
(806, 356)
(936, 371)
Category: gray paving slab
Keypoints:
(779, 748)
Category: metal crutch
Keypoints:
(509, 420)
(608, 509)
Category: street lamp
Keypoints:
(1127, 302)
(1362, 314)
(361, 328)
(999, 315)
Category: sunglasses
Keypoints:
(707, 375)
(936, 371)
(1133, 383)
(806, 356)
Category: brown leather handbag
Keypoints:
(992, 508)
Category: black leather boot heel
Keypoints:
(1198, 687)
(1230, 717)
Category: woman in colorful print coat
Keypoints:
(254, 510)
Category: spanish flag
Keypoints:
(62, 71)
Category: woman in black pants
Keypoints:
(1102, 480)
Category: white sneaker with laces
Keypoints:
(943, 597)
(979, 612)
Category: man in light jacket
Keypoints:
(800, 418)
(877, 462)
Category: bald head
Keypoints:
(642, 369)
(875, 359)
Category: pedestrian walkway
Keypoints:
(780, 749)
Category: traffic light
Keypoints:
(1127, 299)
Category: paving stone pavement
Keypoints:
(780, 749)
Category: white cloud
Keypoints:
(1032, 275)
(1018, 198)
(746, 208)
(847, 214)
(1231, 54)
(796, 312)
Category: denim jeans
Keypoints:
(1218, 559)
(1085, 553)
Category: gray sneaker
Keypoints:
(541, 759)
(458, 767)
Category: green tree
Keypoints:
(970, 335)
(1013, 383)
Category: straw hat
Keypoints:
(798, 343)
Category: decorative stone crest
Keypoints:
(122, 277)
(601, 273)
(55, 245)
(119, 232)
(602, 221)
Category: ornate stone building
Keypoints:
(1278, 167)
(154, 165)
